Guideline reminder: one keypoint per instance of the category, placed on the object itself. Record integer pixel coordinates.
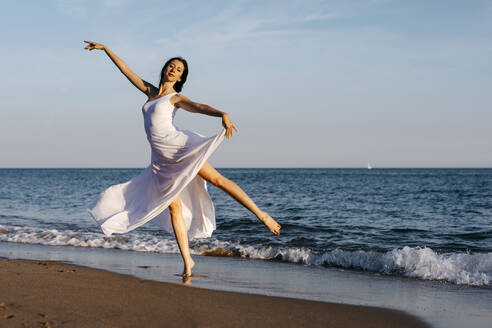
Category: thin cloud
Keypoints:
(240, 20)
(72, 7)
(110, 4)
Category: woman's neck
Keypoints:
(166, 88)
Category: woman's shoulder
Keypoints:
(176, 98)
(152, 92)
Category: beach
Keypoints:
(55, 294)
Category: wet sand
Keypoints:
(52, 294)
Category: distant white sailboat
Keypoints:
(369, 167)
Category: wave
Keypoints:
(415, 262)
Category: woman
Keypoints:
(171, 191)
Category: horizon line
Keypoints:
(266, 167)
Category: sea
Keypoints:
(415, 224)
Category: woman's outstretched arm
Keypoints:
(140, 84)
(181, 101)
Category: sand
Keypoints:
(52, 294)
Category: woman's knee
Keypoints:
(175, 206)
(212, 175)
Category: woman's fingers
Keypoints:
(93, 45)
(230, 131)
(229, 126)
(90, 45)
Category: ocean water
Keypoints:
(428, 224)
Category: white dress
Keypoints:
(177, 156)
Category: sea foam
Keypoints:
(416, 262)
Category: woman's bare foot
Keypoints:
(270, 223)
(187, 280)
(187, 268)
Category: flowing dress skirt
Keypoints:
(176, 159)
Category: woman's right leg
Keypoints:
(181, 233)
(210, 174)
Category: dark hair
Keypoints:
(179, 84)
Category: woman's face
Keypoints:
(174, 70)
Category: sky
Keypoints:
(307, 83)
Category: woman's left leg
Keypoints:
(181, 233)
(213, 176)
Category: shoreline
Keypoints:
(66, 295)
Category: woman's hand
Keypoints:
(228, 125)
(93, 45)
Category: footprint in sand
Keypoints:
(44, 323)
(46, 265)
(4, 307)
